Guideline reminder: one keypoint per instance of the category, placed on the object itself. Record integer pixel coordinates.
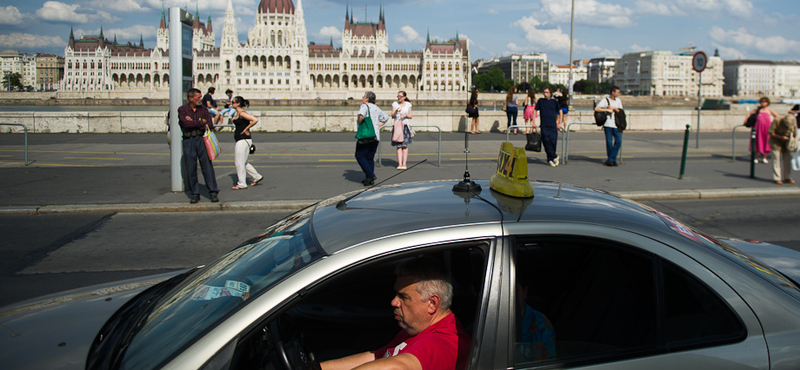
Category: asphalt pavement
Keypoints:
(131, 172)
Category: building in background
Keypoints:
(49, 71)
(519, 67)
(560, 74)
(663, 73)
(762, 78)
(275, 62)
(13, 61)
(601, 69)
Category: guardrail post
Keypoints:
(753, 152)
(685, 149)
(25, 129)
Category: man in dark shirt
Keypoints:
(211, 104)
(550, 113)
(194, 119)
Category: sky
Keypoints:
(738, 29)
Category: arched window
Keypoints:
(280, 38)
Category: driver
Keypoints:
(431, 337)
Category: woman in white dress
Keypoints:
(401, 134)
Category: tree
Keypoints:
(493, 80)
(586, 86)
(12, 81)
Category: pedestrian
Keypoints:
(228, 110)
(366, 148)
(511, 108)
(194, 120)
(473, 103)
(795, 111)
(529, 112)
(401, 112)
(611, 104)
(763, 122)
(780, 132)
(563, 101)
(549, 112)
(211, 104)
(241, 151)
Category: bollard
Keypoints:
(685, 148)
(753, 152)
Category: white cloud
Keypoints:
(11, 15)
(54, 11)
(131, 33)
(727, 53)
(542, 38)
(119, 5)
(26, 40)
(492, 11)
(328, 32)
(408, 35)
(742, 39)
(636, 48)
(591, 12)
(738, 8)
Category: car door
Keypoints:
(591, 297)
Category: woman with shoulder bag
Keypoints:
(401, 134)
(472, 112)
(783, 142)
(241, 151)
(529, 114)
(764, 118)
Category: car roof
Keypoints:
(339, 222)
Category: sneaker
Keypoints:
(556, 161)
(401, 167)
(755, 160)
(194, 199)
(608, 163)
(765, 161)
(214, 198)
(552, 164)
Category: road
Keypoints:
(45, 254)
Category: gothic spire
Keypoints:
(71, 34)
(141, 40)
(101, 32)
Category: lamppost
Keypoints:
(571, 32)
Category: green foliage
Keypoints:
(14, 80)
(492, 81)
(592, 87)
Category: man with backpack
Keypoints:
(611, 104)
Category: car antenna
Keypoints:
(466, 185)
(342, 205)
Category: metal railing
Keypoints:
(565, 147)
(733, 145)
(25, 128)
(438, 164)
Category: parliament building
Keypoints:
(275, 62)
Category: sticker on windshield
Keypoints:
(681, 228)
(232, 288)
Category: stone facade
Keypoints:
(762, 78)
(276, 62)
(662, 73)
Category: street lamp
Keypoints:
(571, 32)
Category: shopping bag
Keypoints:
(366, 131)
(534, 141)
(398, 135)
(212, 145)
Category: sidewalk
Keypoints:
(131, 173)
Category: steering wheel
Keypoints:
(292, 353)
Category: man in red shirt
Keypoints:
(431, 339)
(194, 120)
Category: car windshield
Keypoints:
(213, 292)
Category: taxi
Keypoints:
(614, 284)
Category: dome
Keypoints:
(276, 6)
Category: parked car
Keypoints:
(623, 286)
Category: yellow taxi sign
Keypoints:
(511, 177)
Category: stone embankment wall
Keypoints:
(338, 121)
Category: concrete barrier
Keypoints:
(343, 121)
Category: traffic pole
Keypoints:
(685, 149)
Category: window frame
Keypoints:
(641, 244)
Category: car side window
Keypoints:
(351, 311)
(581, 299)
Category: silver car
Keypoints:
(615, 284)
